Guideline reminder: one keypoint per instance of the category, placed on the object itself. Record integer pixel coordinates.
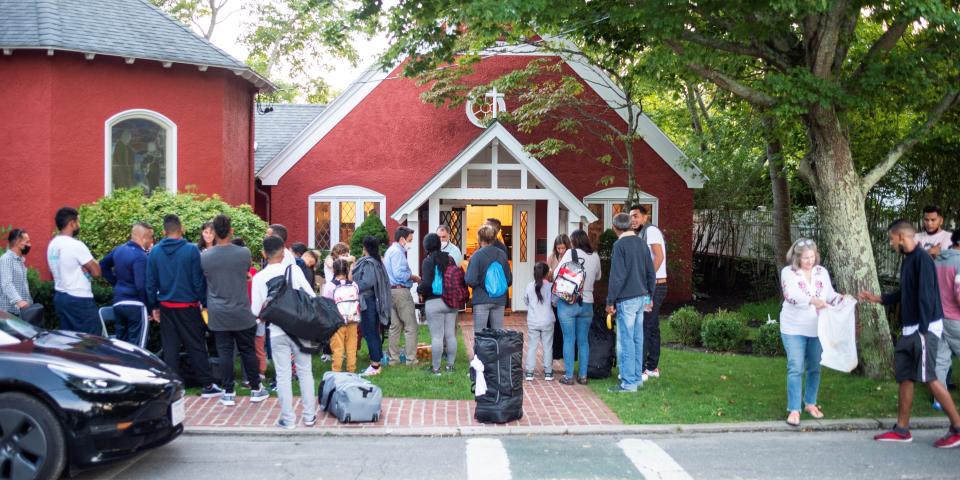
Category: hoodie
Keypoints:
(174, 273)
(948, 276)
(918, 295)
(476, 274)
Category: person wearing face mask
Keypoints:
(402, 316)
(125, 267)
(72, 264)
(14, 290)
(447, 247)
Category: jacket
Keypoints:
(631, 270)
(174, 273)
(919, 294)
(125, 267)
(436, 260)
(371, 279)
(477, 272)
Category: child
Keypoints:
(340, 250)
(540, 321)
(347, 295)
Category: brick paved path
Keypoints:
(544, 404)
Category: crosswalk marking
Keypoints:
(652, 461)
(487, 459)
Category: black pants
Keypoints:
(184, 326)
(651, 330)
(244, 340)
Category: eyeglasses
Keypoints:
(805, 243)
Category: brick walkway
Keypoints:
(544, 404)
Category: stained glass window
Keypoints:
(321, 229)
(348, 221)
(523, 235)
(138, 155)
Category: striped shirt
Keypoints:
(13, 282)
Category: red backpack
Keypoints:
(455, 293)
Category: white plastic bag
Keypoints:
(838, 335)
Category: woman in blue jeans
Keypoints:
(806, 289)
(575, 318)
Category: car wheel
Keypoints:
(31, 440)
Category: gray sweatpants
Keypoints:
(442, 321)
(544, 336)
(282, 348)
(949, 344)
(487, 315)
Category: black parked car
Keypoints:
(78, 400)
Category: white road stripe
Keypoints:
(487, 460)
(652, 461)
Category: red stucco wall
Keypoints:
(394, 143)
(52, 135)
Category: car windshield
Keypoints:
(14, 330)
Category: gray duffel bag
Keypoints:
(350, 397)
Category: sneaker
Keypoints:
(285, 425)
(436, 371)
(257, 396)
(620, 389)
(245, 384)
(370, 371)
(310, 421)
(937, 406)
(211, 391)
(548, 376)
(582, 380)
(273, 386)
(644, 377)
(950, 440)
(655, 373)
(448, 369)
(566, 380)
(228, 399)
(528, 376)
(894, 436)
(325, 358)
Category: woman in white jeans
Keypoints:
(806, 289)
(441, 319)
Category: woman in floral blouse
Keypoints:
(806, 289)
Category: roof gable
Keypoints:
(274, 130)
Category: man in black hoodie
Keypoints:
(915, 356)
(175, 288)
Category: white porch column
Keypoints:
(434, 214)
(553, 221)
(573, 223)
(413, 255)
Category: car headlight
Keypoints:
(89, 379)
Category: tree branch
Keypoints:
(950, 99)
(756, 51)
(823, 48)
(884, 44)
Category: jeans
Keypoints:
(403, 320)
(129, 322)
(245, 344)
(949, 344)
(487, 315)
(282, 348)
(442, 321)
(575, 323)
(544, 336)
(77, 314)
(630, 341)
(651, 330)
(370, 328)
(803, 356)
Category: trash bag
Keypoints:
(838, 335)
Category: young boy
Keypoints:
(347, 296)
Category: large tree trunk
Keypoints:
(843, 223)
(781, 194)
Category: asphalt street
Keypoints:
(789, 455)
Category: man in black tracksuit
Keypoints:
(921, 314)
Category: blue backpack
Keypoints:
(437, 284)
(495, 281)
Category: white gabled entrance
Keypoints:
(495, 169)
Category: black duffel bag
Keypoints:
(297, 313)
(501, 352)
(603, 349)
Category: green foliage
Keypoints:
(768, 341)
(723, 331)
(686, 324)
(42, 293)
(106, 223)
(605, 244)
(371, 226)
(757, 313)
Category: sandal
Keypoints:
(814, 411)
(793, 419)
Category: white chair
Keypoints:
(107, 316)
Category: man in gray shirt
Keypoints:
(225, 266)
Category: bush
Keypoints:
(685, 323)
(605, 244)
(371, 226)
(768, 340)
(756, 314)
(106, 223)
(723, 331)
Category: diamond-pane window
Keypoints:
(321, 235)
(523, 235)
(348, 221)
(371, 207)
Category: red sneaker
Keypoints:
(893, 436)
(950, 440)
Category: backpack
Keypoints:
(455, 292)
(437, 285)
(347, 297)
(495, 281)
(568, 284)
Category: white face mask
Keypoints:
(408, 246)
(443, 245)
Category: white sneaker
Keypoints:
(228, 400)
(644, 376)
(257, 396)
(655, 373)
(309, 422)
(370, 371)
(284, 425)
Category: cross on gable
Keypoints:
(495, 98)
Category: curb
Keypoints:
(849, 425)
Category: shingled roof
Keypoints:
(124, 28)
(275, 130)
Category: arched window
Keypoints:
(336, 212)
(140, 151)
(609, 202)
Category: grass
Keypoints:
(707, 387)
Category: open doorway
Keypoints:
(477, 215)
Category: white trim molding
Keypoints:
(170, 152)
(618, 195)
(335, 196)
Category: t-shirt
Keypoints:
(66, 257)
(941, 239)
(259, 291)
(655, 236)
(228, 303)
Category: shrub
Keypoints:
(723, 331)
(756, 314)
(106, 223)
(605, 244)
(768, 340)
(371, 226)
(685, 323)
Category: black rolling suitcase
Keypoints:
(501, 354)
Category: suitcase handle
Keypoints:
(366, 391)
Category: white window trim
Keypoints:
(171, 147)
(337, 195)
(610, 196)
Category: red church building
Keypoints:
(105, 94)
(378, 147)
